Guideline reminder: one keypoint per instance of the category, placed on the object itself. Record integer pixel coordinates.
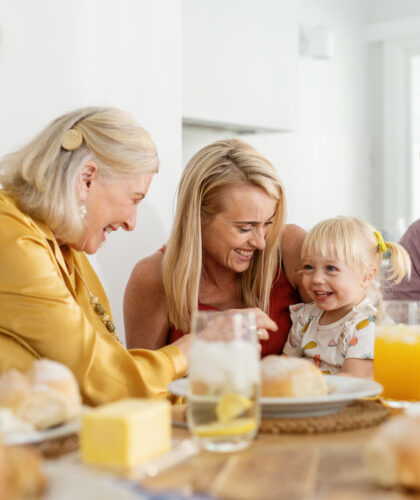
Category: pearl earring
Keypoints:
(83, 211)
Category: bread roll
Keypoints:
(14, 388)
(7, 489)
(10, 423)
(21, 473)
(54, 398)
(284, 376)
(27, 473)
(393, 454)
(46, 395)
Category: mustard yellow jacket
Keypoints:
(45, 312)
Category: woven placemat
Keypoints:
(54, 448)
(357, 415)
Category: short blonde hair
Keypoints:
(208, 174)
(354, 241)
(42, 175)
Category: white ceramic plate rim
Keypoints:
(44, 435)
(347, 389)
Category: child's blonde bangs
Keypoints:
(335, 237)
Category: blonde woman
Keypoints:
(78, 181)
(228, 249)
(340, 260)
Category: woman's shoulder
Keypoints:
(145, 281)
(14, 223)
(292, 238)
(145, 304)
(291, 248)
(9, 209)
(149, 269)
(144, 294)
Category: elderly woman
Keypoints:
(80, 179)
(228, 249)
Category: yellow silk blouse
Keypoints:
(45, 312)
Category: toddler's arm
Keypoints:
(359, 354)
(357, 367)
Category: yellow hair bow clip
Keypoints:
(381, 242)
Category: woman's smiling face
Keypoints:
(111, 204)
(231, 237)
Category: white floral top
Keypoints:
(328, 346)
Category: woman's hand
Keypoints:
(184, 343)
(263, 321)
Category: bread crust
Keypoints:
(284, 376)
(46, 395)
(21, 473)
(393, 454)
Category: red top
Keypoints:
(281, 297)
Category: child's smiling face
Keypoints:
(335, 286)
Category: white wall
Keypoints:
(236, 52)
(393, 35)
(325, 163)
(389, 10)
(57, 55)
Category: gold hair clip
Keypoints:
(381, 242)
(72, 139)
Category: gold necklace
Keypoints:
(99, 309)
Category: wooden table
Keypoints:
(328, 466)
(290, 467)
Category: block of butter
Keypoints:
(126, 432)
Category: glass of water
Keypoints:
(223, 410)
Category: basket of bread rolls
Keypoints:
(46, 395)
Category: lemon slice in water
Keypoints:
(231, 406)
(238, 426)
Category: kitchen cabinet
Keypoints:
(240, 64)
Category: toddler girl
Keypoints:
(340, 259)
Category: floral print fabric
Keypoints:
(328, 346)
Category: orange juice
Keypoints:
(397, 361)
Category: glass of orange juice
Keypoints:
(397, 351)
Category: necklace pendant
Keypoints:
(98, 307)
(100, 310)
(110, 326)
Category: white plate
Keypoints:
(344, 390)
(44, 435)
(68, 482)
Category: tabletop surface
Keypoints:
(281, 466)
(323, 466)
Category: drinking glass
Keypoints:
(397, 352)
(223, 410)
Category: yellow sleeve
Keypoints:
(40, 316)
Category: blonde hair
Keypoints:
(42, 175)
(208, 174)
(354, 241)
